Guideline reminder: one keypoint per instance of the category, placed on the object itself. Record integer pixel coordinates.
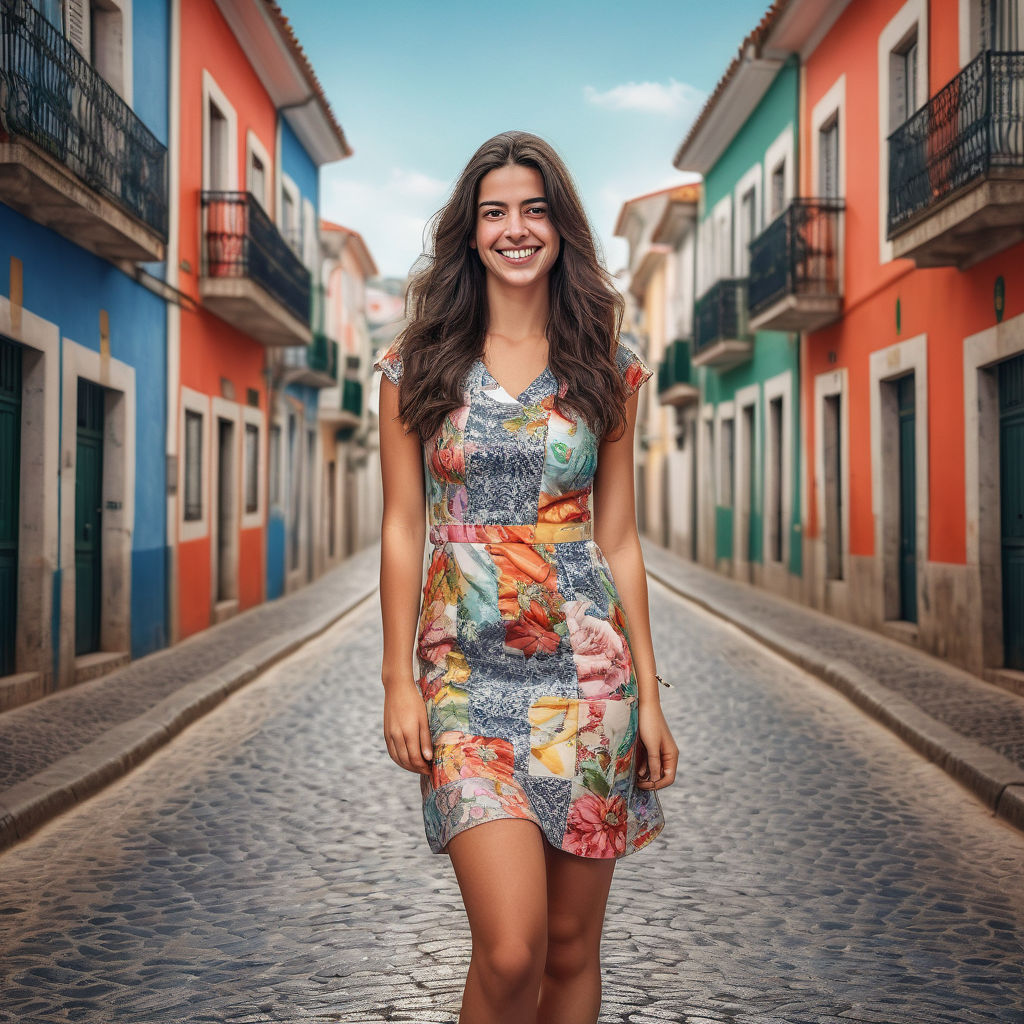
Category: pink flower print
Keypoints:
(602, 661)
(459, 417)
(436, 638)
(596, 826)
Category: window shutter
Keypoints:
(76, 25)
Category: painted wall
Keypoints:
(215, 358)
(296, 163)
(944, 303)
(773, 352)
(138, 338)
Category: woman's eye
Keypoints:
(538, 209)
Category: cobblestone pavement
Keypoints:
(37, 735)
(270, 865)
(975, 709)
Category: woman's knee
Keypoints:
(571, 949)
(510, 964)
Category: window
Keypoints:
(748, 231)
(999, 24)
(252, 467)
(726, 454)
(903, 98)
(95, 29)
(275, 464)
(289, 226)
(777, 195)
(256, 180)
(828, 159)
(193, 466)
(218, 149)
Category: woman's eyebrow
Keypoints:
(498, 202)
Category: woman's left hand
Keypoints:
(657, 754)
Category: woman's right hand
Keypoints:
(406, 729)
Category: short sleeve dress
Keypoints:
(522, 645)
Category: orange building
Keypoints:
(251, 127)
(913, 400)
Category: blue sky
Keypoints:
(418, 86)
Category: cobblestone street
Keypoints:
(270, 865)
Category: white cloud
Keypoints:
(676, 98)
(390, 212)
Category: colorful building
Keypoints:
(660, 229)
(858, 341)
(251, 128)
(347, 507)
(744, 143)
(914, 399)
(84, 126)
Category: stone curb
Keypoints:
(994, 779)
(27, 805)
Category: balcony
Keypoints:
(73, 155)
(250, 275)
(956, 168)
(315, 364)
(676, 384)
(795, 282)
(721, 336)
(350, 413)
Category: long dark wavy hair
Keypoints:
(446, 301)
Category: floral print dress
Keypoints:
(522, 646)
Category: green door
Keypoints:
(88, 512)
(10, 496)
(908, 499)
(1011, 500)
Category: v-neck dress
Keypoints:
(522, 644)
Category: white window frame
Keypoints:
(254, 417)
(889, 40)
(725, 411)
(290, 190)
(746, 398)
(832, 104)
(749, 182)
(718, 225)
(253, 147)
(827, 385)
(117, 70)
(212, 93)
(781, 151)
(310, 238)
(197, 402)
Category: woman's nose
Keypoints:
(516, 228)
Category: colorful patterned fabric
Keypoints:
(522, 645)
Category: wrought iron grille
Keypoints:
(972, 125)
(51, 95)
(797, 254)
(242, 241)
(721, 314)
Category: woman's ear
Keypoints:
(472, 243)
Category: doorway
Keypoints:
(225, 539)
(10, 499)
(88, 517)
(1011, 504)
(907, 498)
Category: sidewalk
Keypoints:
(62, 748)
(972, 729)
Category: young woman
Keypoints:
(533, 705)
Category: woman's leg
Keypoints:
(500, 869)
(577, 895)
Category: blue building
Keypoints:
(83, 339)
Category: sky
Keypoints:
(417, 87)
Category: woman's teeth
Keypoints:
(517, 254)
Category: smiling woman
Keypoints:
(534, 704)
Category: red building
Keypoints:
(251, 127)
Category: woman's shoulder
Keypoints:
(633, 370)
(390, 362)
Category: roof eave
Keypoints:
(720, 123)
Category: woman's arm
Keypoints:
(615, 532)
(403, 534)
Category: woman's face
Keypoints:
(514, 235)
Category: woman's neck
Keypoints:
(518, 312)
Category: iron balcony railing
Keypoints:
(721, 314)
(52, 96)
(675, 365)
(971, 126)
(319, 356)
(797, 254)
(242, 241)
